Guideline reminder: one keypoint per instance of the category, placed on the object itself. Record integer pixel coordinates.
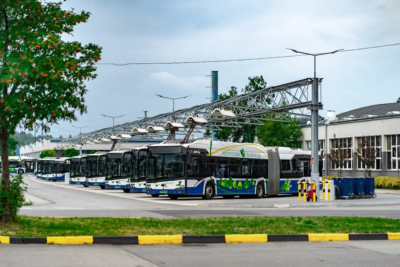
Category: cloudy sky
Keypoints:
(181, 30)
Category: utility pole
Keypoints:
(145, 118)
(112, 118)
(173, 100)
(80, 128)
(314, 107)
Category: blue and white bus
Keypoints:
(96, 170)
(78, 170)
(119, 169)
(207, 169)
(16, 165)
(137, 182)
(54, 169)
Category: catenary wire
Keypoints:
(236, 60)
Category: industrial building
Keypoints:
(379, 122)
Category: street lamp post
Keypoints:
(173, 100)
(314, 107)
(113, 118)
(80, 128)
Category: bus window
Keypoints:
(260, 168)
(234, 168)
(222, 168)
(208, 167)
(285, 165)
(246, 168)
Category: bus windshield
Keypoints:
(78, 167)
(165, 165)
(119, 165)
(92, 166)
(49, 167)
(101, 171)
(141, 165)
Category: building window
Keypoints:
(393, 152)
(346, 145)
(375, 141)
(321, 149)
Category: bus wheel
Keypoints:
(127, 190)
(85, 185)
(20, 171)
(209, 192)
(155, 195)
(102, 186)
(173, 197)
(260, 190)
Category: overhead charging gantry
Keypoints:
(294, 98)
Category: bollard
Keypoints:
(314, 189)
(300, 189)
(329, 191)
(305, 192)
(323, 190)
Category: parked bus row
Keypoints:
(202, 168)
(20, 165)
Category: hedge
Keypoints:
(387, 182)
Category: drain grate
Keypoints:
(194, 245)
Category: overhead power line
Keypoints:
(234, 60)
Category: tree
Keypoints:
(41, 76)
(61, 137)
(71, 152)
(366, 152)
(247, 133)
(280, 133)
(339, 156)
(12, 146)
(93, 152)
(47, 153)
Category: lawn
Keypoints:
(47, 226)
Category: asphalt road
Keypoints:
(354, 253)
(59, 199)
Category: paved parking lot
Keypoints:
(59, 199)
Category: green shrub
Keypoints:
(387, 182)
(15, 196)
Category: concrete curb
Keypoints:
(205, 239)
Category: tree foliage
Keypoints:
(42, 77)
(47, 153)
(93, 152)
(71, 152)
(366, 152)
(339, 156)
(247, 133)
(12, 146)
(24, 138)
(280, 133)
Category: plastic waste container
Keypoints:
(358, 187)
(346, 187)
(369, 187)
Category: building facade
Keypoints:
(379, 123)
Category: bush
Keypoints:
(15, 197)
(71, 152)
(47, 153)
(387, 182)
(328, 177)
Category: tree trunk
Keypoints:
(5, 176)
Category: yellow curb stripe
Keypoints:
(393, 236)
(4, 240)
(160, 239)
(70, 240)
(246, 238)
(328, 237)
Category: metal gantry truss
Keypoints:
(249, 109)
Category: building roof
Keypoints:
(378, 110)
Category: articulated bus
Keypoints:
(207, 169)
(54, 169)
(96, 170)
(78, 170)
(119, 169)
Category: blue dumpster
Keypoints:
(359, 187)
(346, 187)
(369, 187)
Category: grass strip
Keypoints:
(27, 226)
